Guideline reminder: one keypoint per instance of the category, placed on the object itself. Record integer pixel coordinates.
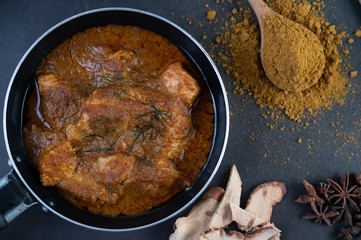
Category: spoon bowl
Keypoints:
(298, 63)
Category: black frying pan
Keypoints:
(21, 187)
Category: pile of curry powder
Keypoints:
(241, 58)
(292, 55)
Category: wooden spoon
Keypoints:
(263, 12)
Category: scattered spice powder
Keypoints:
(211, 14)
(350, 41)
(242, 40)
(292, 56)
(318, 139)
(358, 33)
(345, 51)
(353, 74)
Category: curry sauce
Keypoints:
(118, 120)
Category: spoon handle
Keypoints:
(261, 9)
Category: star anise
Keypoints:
(344, 192)
(343, 212)
(347, 232)
(357, 218)
(320, 214)
(358, 178)
(355, 230)
(310, 196)
(357, 191)
(324, 189)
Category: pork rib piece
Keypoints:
(83, 186)
(57, 164)
(178, 81)
(115, 168)
(59, 102)
(144, 127)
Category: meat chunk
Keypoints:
(136, 112)
(123, 54)
(178, 81)
(59, 102)
(179, 132)
(107, 110)
(72, 133)
(39, 141)
(117, 62)
(115, 168)
(143, 129)
(160, 179)
(47, 82)
(57, 164)
(83, 186)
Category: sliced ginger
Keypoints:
(219, 208)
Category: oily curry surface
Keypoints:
(118, 120)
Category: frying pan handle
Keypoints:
(14, 198)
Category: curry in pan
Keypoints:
(118, 120)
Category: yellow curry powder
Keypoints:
(292, 56)
(211, 14)
(242, 59)
(358, 33)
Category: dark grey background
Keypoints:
(330, 145)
